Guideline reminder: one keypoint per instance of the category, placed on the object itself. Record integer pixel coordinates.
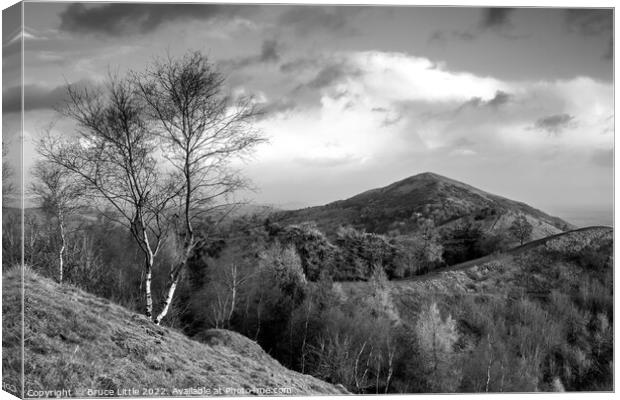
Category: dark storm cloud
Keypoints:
(36, 97)
(11, 99)
(443, 36)
(117, 19)
(492, 19)
(299, 64)
(592, 22)
(473, 102)
(319, 74)
(498, 100)
(281, 105)
(589, 22)
(495, 18)
(554, 123)
(305, 19)
(330, 74)
(269, 53)
(327, 76)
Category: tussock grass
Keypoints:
(74, 340)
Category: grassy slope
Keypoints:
(76, 340)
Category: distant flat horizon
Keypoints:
(585, 216)
(580, 216)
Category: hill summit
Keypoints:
(401, 205)
(79, 342)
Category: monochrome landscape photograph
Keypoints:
(203, 199)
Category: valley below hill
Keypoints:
(536, 318)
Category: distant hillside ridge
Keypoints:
(400, 206)
(75, 340)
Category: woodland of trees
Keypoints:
(551, 331)
(135, 208)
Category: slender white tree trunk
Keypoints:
(188, 248)
(486, 386)
(61, 252)
(233, 290)
(167, 301)
(147, 287)
(141, 235)
(175, 274)
(172, 286)
(303, 343)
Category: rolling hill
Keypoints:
(74, 340)
(399, 207)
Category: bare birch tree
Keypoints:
(60, 196)
(203, 131)
(114, 155)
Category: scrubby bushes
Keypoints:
(419, 253)
(315, 250)
(358, 253)
(525, 345)
(591, 251)
(352, 254)
(550, 333)
(462, 243)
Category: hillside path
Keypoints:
(491, 257)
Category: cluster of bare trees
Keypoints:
(156, 147)
(60, 196)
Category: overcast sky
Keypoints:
(518, 102)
